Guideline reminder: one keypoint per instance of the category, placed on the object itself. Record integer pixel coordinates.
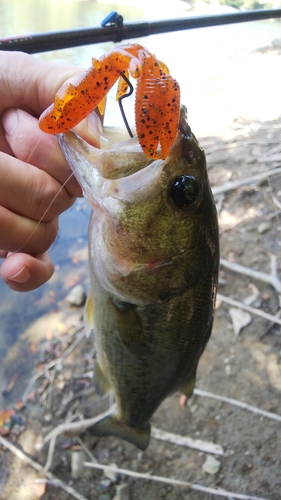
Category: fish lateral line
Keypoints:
(43, 215)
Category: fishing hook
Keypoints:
(131, 90)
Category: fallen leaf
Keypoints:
(10, 385)
(61, 327)
(33, 347)
(240, 319)
(39, 489)
(6, 422)
(49, 335)
(31, 395)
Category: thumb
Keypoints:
(22, 272)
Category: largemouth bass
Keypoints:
(154, 258)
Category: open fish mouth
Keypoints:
(110, 177)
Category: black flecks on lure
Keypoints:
(184, 190)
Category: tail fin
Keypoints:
(111, 426)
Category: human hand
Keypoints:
(32, 170)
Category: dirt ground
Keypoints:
(246, 367)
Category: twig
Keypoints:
(177, 482)
(229, 186)
(54, 362)
(71, 427)
(55, 481)
(196, 444)
(268, 328)
(240, 404)
(84, 392)
(271, 278)
(250, 309)
(276, 201)
(86, 450)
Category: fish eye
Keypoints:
(184, 190)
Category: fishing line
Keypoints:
(131, 90)
(45, 212)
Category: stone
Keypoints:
(211, 465)
(76, 296)
(123, 492)
(263, 227)
(77, 460)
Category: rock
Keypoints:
(105, 483)
(76, 296)
(48, 417)
(77, 460)
(123, 492)
(105, 496)
(211, 465)
(263, 227)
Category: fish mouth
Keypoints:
(114, 174)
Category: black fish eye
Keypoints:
(184, 190)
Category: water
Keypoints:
(219, 81)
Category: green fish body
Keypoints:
(154, 258)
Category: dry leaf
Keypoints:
(240, 319)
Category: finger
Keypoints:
(29, 191)
(33, 146)
(30, 83)
(22, 272)
(21, 233)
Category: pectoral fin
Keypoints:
(129, 326)
(111, 426)
(188, 388)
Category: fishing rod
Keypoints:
(113, 29)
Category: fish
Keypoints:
(153, 264)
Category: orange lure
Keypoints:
(157, 105)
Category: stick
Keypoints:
(250, 309)
(55, 361)
(161, 479)
(196, 444)
(229, 186)
(75, 427)
(271, 278)
(235, 402)
(55, 481)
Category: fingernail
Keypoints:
(10, 121)
(21, 276)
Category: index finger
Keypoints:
(28, 83)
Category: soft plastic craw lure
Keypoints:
(157, 106)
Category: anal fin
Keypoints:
(188, 388)
(111, 426)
